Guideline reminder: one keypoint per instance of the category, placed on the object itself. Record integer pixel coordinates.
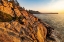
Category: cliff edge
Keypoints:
(18, 25)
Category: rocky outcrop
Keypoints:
(52, 34)
(22, 32)
(9, 8)
(24, 27)
(18, 25)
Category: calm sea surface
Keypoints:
(54, 20)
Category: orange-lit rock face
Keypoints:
(25, 29)
(18, 13)
(8, 7)
(41, 33)
(4, 37)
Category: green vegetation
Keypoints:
(4, 17)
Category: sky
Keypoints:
(43, 5)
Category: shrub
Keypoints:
(4, 17)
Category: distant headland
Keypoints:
(49, 13)
(37, 12)
(34, 12)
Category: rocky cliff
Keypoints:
(23, 27)
(18, 25)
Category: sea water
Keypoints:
(54, 20)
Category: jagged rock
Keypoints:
(52, 34)
(25, 33)
(17, 12)
(8, 7)
(26, 28)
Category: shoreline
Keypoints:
(52, 34)
(46, 13)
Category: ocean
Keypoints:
(54, 20)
